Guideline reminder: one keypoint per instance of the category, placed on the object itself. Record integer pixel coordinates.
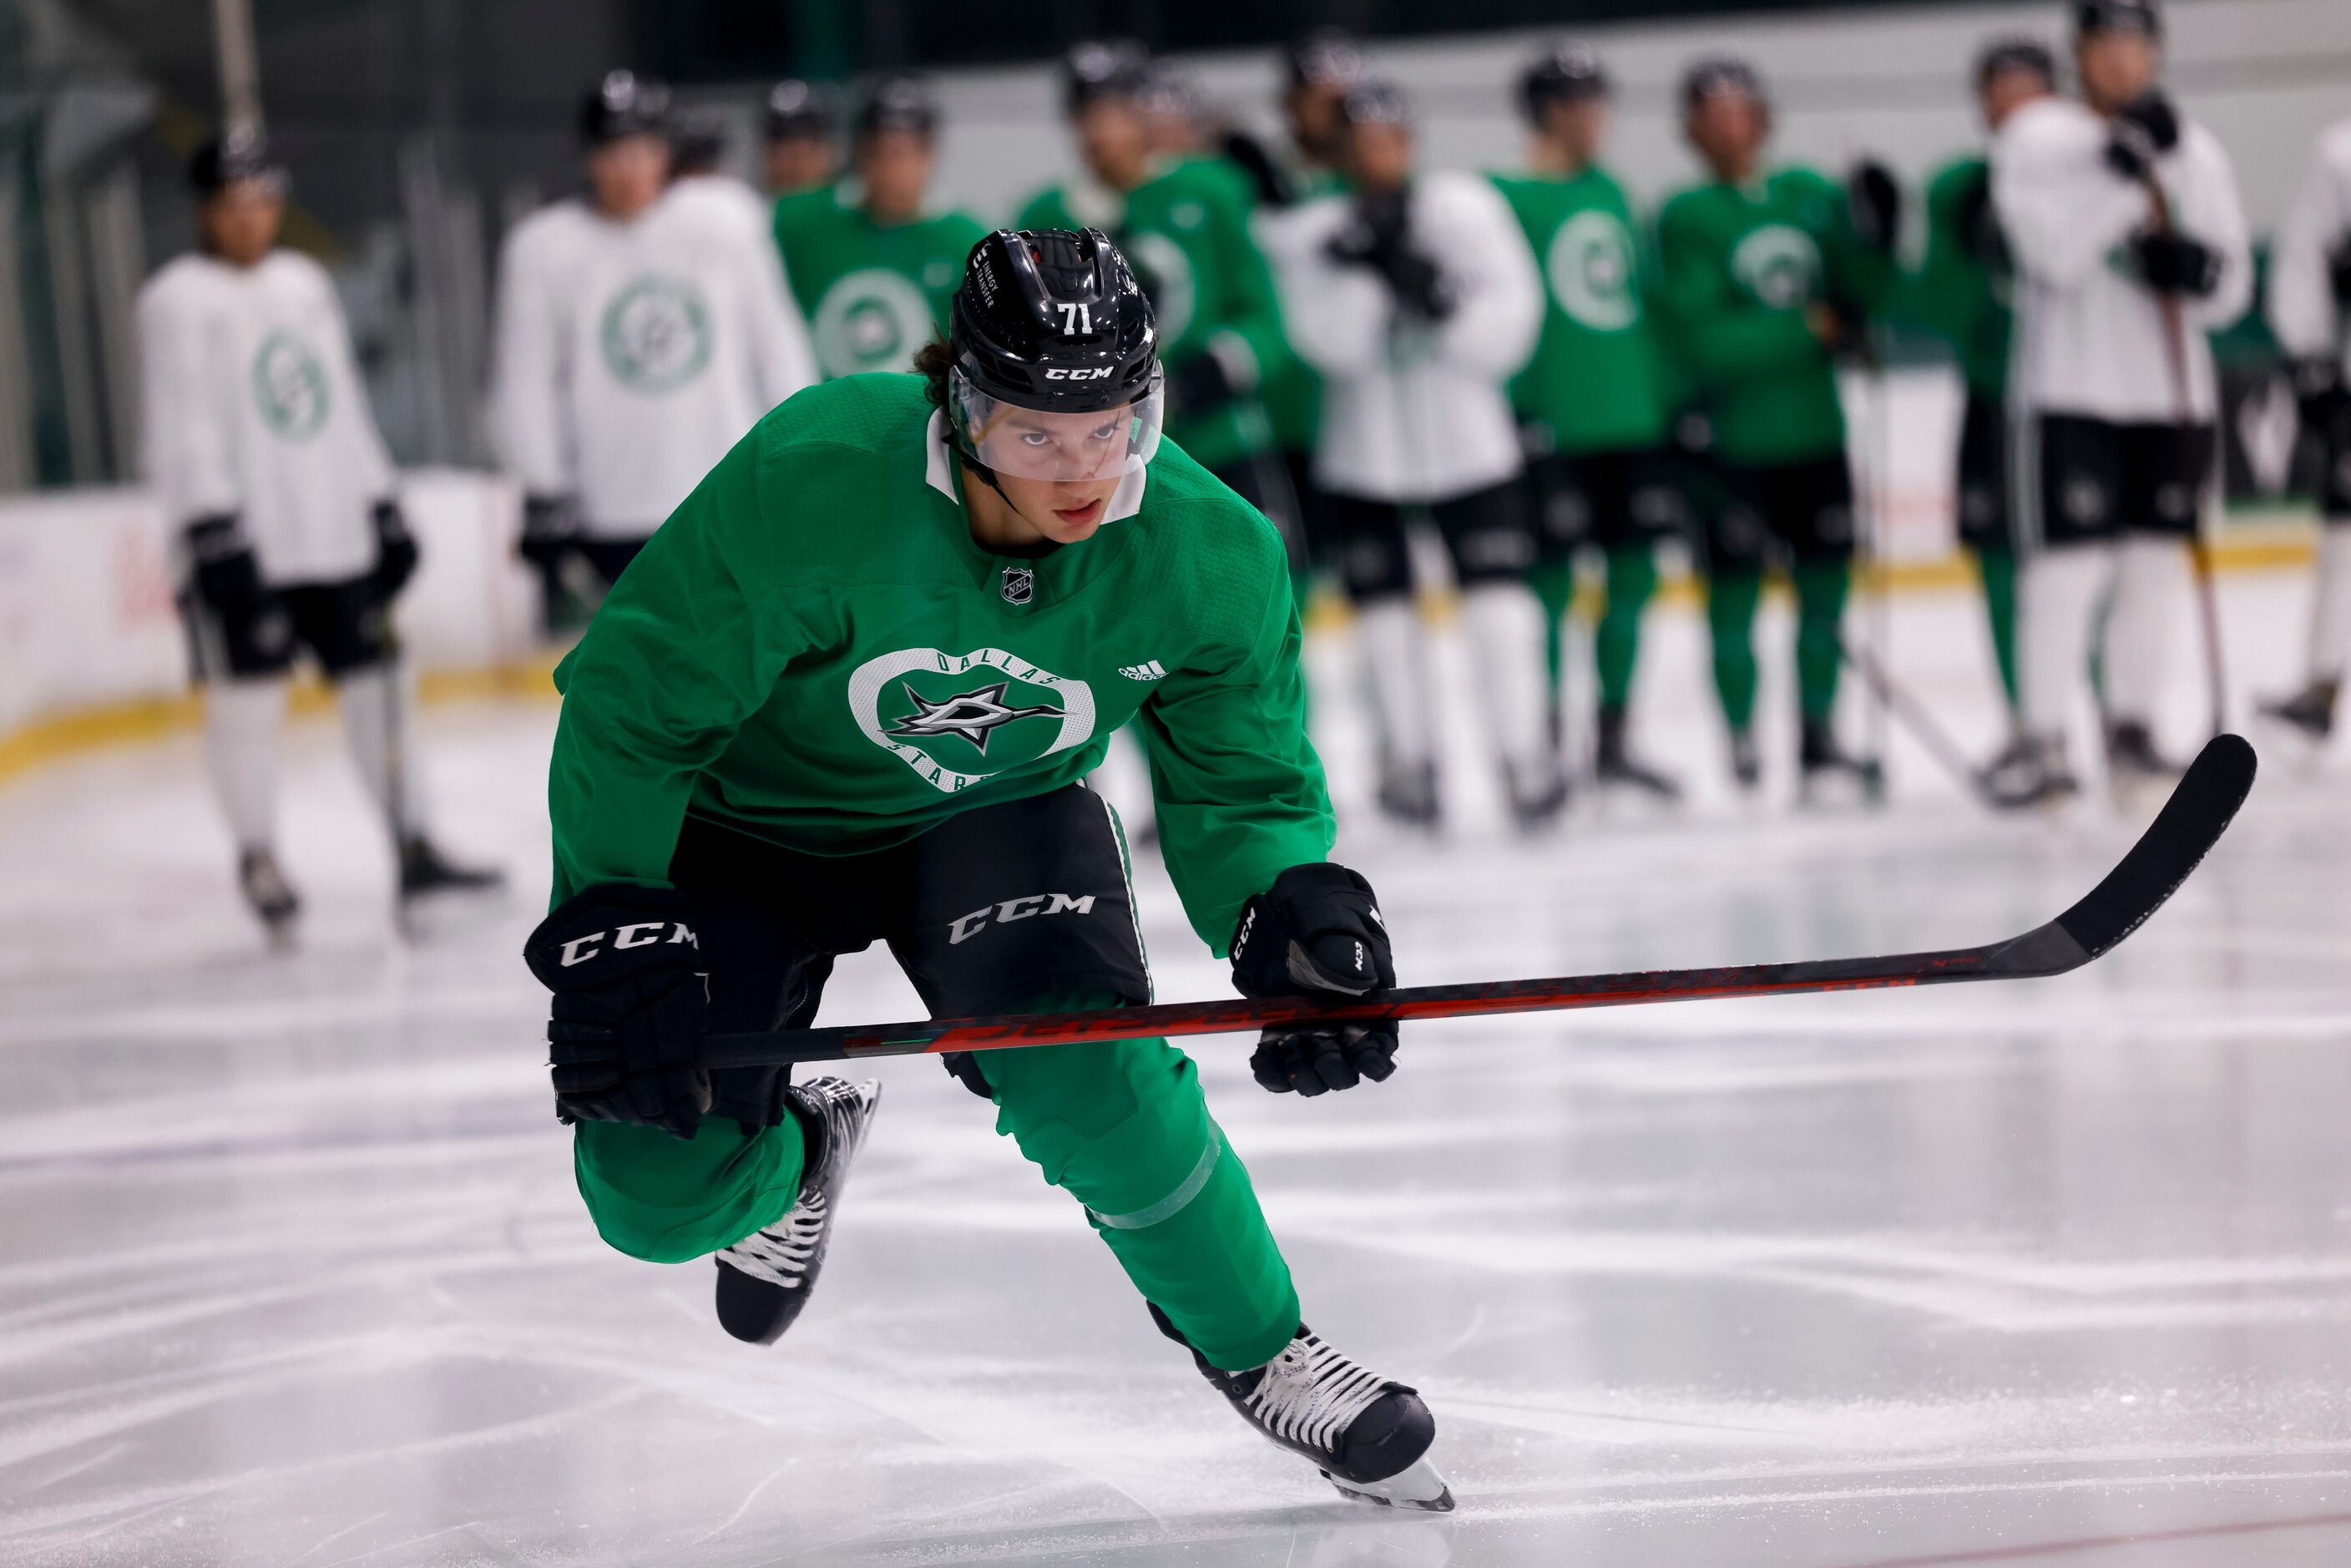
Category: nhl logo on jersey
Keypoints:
(1019, 584)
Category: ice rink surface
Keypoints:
(292, 1274)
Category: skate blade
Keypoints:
(1417, 1486)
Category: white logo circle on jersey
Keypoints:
(1780, 265)
(870, 319)
(960, 719)
(1590, 268)
(289, 386)
(656, 334)
(1166, 274)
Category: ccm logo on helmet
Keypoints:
(579, 949)
(1093, 375)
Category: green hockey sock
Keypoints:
(1820, 588)
(1617, 645)
(1554, 580)
(1996, 563)
(1730, 598)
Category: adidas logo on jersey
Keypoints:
(1144, 672)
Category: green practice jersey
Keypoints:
(1737, 267)
(1188, 242)
(814, 650)
(873, 292)
(1960, 293)
(1593, 384)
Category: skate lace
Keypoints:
(1311, 1393)
(781, 1254)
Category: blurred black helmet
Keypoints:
(1718, 76)
(898, 102)
(1168, 90)
(1566, 73)
(623, 104)
(241, 152)
(2018, 54)
(1375, 103)
(698, 142)
(2117, 16)
(1047, 318)
(1102, 67)
(795, 112)
(1327, 56)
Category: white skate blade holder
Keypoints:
(1417, 1485)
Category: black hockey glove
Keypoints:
(1317, 931)
(551, 528)
(2144, 130)
(2170, 262)
(1378, 236)
(1873, 199)
(2338, 273)
(630, 1010)
(220, 567)
(395, 551)
(2320, 399)
(1198, 384)
(1272, 185)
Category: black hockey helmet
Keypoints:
(1168, 90)
(898, 102)
(2117, 16)
(1717, 76)
(796, 113)
(1327, 57)
(1375, 103)
(1052, 323)
(2014, 54)
(1102, 67)
(623, 104)
(1564, 73)
(698, 142)
(240, 152)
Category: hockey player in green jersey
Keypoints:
(850, 692)
(1591, 404)
(1766, 277)
(1188, 241)
(872, 268)
(1961, 294)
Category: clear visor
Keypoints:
(1064, 447)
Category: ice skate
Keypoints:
(2010, 768)
(1614, 764)
(765, 1279)
(2038, 777)
(1536, 805)
(1408, 796)
(424, 870)
(270, 896)
(2309, 711)
(1830, 773)
(1369, 1437)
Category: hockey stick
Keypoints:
(1914, 718)
(2187, 828)
(2200, 550)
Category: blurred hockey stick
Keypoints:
(2183, 832)
(1914, 718)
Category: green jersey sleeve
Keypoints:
(1240, 791)
(678, 657)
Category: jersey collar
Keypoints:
(939, 469)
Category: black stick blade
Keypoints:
(2183, 832)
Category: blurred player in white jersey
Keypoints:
(289, 533)
(697, 177)
(1417, 300)
(2130, 245)
(2310, 312)
(638, 338)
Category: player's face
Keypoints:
(1379, 157)
(2116, 67)
(1728, 129)
(1059, 470)
(1314, 120)
(2010, 90)
(1580, 128)
(798, 163)
(1115, 140)
(240, 222)
(895, 167)
(627, 173)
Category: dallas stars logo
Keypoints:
(974, 715)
